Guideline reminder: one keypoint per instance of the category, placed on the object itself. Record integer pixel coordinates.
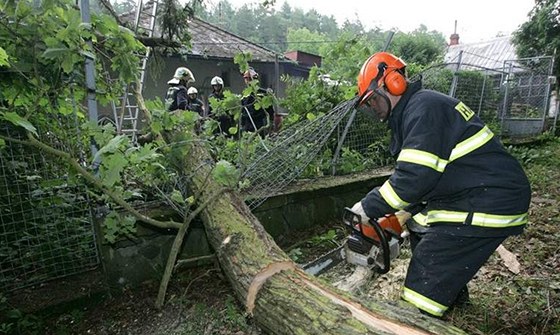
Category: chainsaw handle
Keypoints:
(351, 219)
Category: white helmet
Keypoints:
(250, 74)
(192, 90)
(217, 81)
(182, 73)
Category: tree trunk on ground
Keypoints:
(282, 298)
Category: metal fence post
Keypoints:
(453, 87)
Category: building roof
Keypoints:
(489, 54)
(210, 41)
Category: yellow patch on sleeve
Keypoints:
(464, 110)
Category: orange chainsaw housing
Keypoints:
(389, 222)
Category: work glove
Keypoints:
(358, 209)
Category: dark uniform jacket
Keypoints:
(195, 105)
(450, 161)
(259, 116)
(176, 98)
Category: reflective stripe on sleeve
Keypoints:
(432, 161)
(391, 197)
(471, 144)
(424, 303)
(422, 158)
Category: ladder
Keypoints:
(126, 110)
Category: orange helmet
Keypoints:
(382, 69)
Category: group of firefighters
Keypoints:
(254, 118)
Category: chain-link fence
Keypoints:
(512, 100)
(511, 96)
(46, 229)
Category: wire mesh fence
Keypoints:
(339, 142)
(512, 100)
(46, 229)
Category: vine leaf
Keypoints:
(20, 122)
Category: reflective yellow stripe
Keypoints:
(432, 161)
(425, 304)
(391, 197)
(446, 216)
(421, 219)
(471, 144)
(478, 219)
(422, 158)
(498, 221)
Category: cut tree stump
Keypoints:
(282, 298)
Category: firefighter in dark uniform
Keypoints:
(466, 193)
(254, 118)
(176, 96)
(194, 104)
(225, 121)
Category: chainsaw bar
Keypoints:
(325, 262)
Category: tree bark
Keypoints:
(280, 297)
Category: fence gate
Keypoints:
(46, 227)
(527, 91)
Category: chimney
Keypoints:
(454, 38)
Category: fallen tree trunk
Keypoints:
(282, 298)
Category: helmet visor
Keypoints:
(376, 105)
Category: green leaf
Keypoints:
(112, 146)
(56, 53)
(113, 166)
(4, 58)
(20, 122)
(225, 174)
(177, 197)
(2, 143)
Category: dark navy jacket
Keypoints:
(449, 161)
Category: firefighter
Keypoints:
(176, 96)
(194, 104)
(224, 119)
(466, 193)
(253, 118)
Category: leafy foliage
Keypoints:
(540, 35)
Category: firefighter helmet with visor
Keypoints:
(382, 69)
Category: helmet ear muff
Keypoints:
(395, 83)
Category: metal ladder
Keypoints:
(126, 111)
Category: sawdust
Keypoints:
(380, 287)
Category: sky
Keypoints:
(477, 20)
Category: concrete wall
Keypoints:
(132, 261)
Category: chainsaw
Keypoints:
(373, 244)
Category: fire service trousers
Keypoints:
(441, 266)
